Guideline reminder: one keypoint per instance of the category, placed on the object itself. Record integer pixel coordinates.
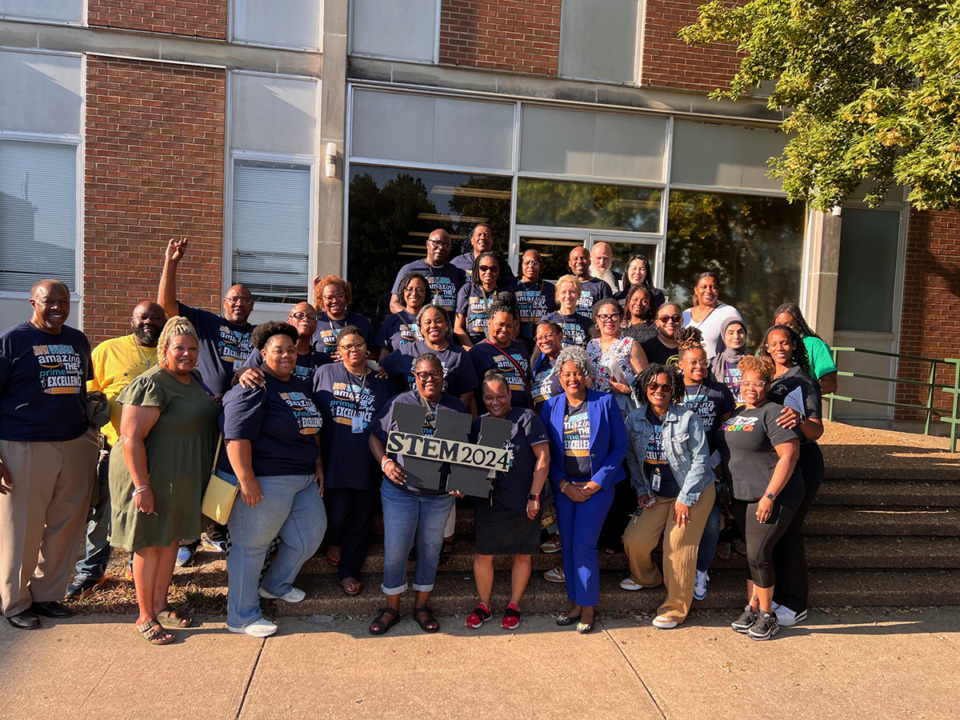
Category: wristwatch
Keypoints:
(534, 496)
(770, 496)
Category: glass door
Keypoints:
(625, 250)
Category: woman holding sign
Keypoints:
(509, 522)
(412, 511)
(588, 443)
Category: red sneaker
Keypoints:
(478, 617)
(511, 618)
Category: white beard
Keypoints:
(606, 276)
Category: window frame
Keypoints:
(637, 54)
(82, 22)
(232, 34)
(435, 53)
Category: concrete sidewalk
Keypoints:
(855, 664)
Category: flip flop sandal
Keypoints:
(333, 557)
(172, 616)
(378, 627)
(429, 624)
(153, 633)
(351, 588)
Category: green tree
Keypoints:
(873, 86)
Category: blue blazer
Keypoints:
(608, 438)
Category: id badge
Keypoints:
(656, 481)
(356, 425)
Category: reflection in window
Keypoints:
(868, 269)
(271, 230)
(555, 253)
(754, 244)
(392, 211)
(582, 205)
(38, 214)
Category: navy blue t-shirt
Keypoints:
(510, 489)
(655, 461)
(224, 346)
(41, 375)
(576, 328)
(348, 406)
(280, 421)
(464, 263)
(534, 300)
(459, 377)
(512, 362)
(590, 292)
(397, 330)
(473, 302)
(444, 282)
(306, 364)
(544, 382)
(576, 442)
(798, 391)
(710, 401)
(325, 336)
(383, 425)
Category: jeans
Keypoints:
(580, 525)
(97, 551)
(292, 508)
(708, 543)
(350, 514)
(406, 517)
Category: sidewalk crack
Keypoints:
(253, 671)
(636, 674)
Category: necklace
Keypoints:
(143, 358)
(432, 409)
(363, 384)
(698, 400)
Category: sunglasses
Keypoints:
(670, 319)
(303, 315)
(653, 387)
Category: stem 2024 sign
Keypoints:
(427, 458)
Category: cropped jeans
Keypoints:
(292, 509)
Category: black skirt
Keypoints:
(504, 532)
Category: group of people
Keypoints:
(599, 376)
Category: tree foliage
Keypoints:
(873, 86)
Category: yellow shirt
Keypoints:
(115, 363)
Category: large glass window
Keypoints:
(583, 205)
(405, 30)
(61, 11)
(392, 211)
(38, 214)
(754, 244)
(868, 269)
(281, 23)
(271, 230)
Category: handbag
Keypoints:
(220, 494)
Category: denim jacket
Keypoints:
(684, 444)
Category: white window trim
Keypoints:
(637, 54)
(82, 22)
(232, 34)
(434, 60)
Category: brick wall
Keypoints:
(519, 36)
(195, 18)
(669, 62)
(931, 302)
(154, 160)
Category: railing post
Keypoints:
(933, 382)
(956, 404)
(833, 351)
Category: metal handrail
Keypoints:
(948, 415)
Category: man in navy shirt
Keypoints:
(224, 339)
(481, 239)
(444, 278)
(48, 457)
(591, 288)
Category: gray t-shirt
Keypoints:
(746, 442)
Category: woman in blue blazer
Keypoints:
(588, 442)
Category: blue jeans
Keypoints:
(406, 517)
(292, 508)
(97, 550)
(580, 525)
(709, 540)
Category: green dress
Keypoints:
(180, 450)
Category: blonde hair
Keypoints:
(573, 280)
(177, 325)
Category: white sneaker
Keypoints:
(556, 575)
(700, 585)
(258, 628)
(628, 583)
(787, 617)
(294, 595)
(664, 623)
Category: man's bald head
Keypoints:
(50, 300)
(237, 304)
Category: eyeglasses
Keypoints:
(303, 316)
(352, 346)
(424, 376)
(546, 336)
(488, 268)
(755, 384)
(653, 387)
(530, 262)
(439, 243)
(234, 300)
(334, 296)
(670, 319)
(607, 318)
(416, 290)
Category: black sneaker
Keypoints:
(743, 623)
(765, 627)
(83, 586)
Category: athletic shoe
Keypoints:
(628, 583)
(700, 585)
(743, 623)
(787, 617)
(128, 570)
(293, 595)
(83, 586)
(664, 623)
(219, 546)
(511, 618)
(765, 627)
(478, 617)
(258, 628)
(555, 575)
(185, 555)
(551, 545)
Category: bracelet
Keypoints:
(534, 496)
(384, 461)
(141, 489)
(563, 487)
